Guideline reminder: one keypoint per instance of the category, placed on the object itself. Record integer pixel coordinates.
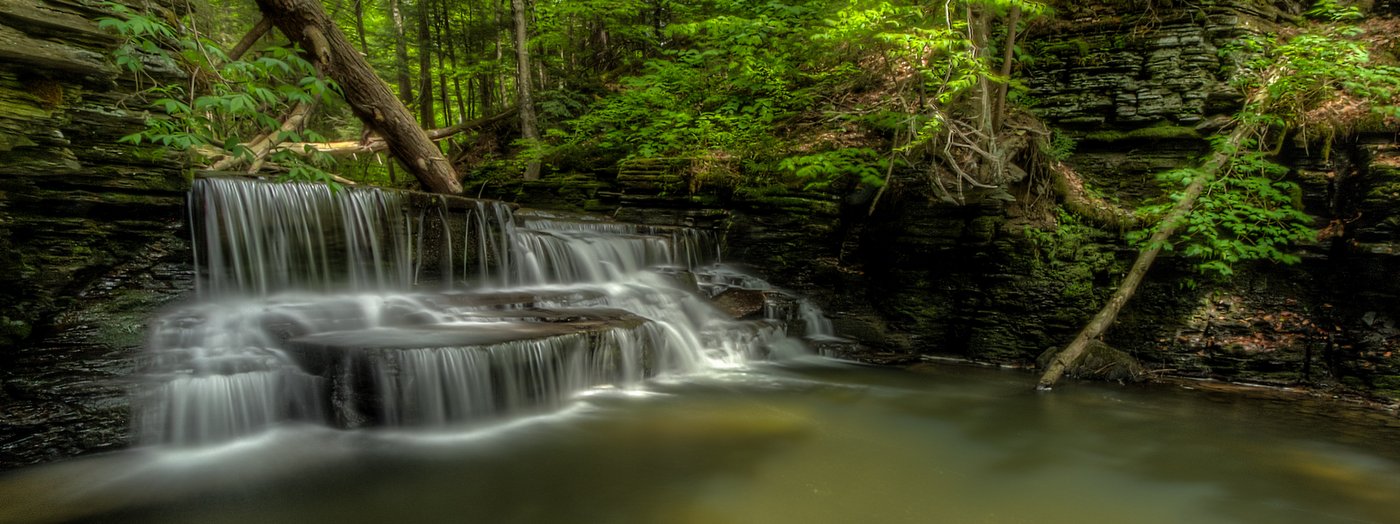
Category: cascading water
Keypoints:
(361, 308)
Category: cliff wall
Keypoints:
(89, 241)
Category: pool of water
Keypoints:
(806, 442)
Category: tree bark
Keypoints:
(529, 125)
(360, 26)
(263, 144)
(400, 52)
(1008, 54)
(1101, 322)
(452, 58)
(244, 44)
(306, 23)
(439, 19)
(426, 113)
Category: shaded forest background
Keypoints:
(752, 94)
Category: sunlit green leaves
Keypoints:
(235, 101)
(1246, 212)
(821, 170)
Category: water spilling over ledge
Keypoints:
(369, 308)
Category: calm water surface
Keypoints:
(815, 442)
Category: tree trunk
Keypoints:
(426, 113)
(439, 19)
(452, 58)
(376, 144)
(400, 52)
(261, 145)
(529, 129)
(1008, 54)
(244, 44)
(360, 26)
(1101, 322)
(500, 55)
(306, 23)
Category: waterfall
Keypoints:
(359, 308)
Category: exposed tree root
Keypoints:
(1070, 187)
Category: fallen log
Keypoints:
(376, 144)
(306, 23)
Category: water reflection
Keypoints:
(797, 442)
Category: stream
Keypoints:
(800, 441)
(358, 355)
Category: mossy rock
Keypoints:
(1144, 134)
(1100, 362)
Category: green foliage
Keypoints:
(1246, 213)
(1074, 253)
(1334, 11)
(733, 77)
(1059, 147)
(1304, 72)
(237, 101)
(820, 170)
(1063, 242)
(144, 35)
(727, 84)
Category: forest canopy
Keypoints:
(800, 94)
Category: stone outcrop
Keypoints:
(1141, 91)
(89, 232)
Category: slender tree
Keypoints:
(400, 52)
(360, 26)
(529, 125)
(427, 114)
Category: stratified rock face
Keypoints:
(88, 243)
(1140, 91)
(1108, 63)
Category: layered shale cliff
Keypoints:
(88, 232)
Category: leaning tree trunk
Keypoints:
(306, 23)
(1101, 322)
(529, 125)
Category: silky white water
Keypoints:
(361, 308)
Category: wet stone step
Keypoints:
(513, 326)
(514, 299)
(452, 373)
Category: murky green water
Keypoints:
(815, 443)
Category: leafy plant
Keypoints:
(1321, 81)
(820, 170)
(230, 101)
(1246, 213)
(1334, 11)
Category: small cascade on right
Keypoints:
(363, 308)
(750, 296)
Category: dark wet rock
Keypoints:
(682, 278)
(741, 303)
